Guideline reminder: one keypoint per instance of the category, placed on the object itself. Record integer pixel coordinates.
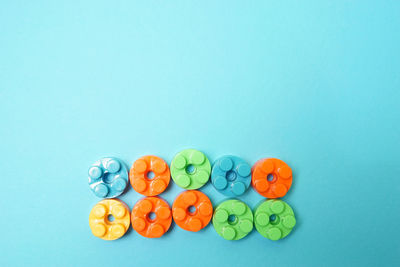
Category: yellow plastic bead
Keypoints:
(99, 221)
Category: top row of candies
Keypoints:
(190, 169)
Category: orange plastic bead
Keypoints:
(151, 217)
(192, 210)
(271, 177)
(142, 182)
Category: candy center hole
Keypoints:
(273, 219)
(152, 216)
(232, 219)
(108, 178)
(110, 218)
(191, 209)
(150, 175)
(231, 175)
(190, 169)
(270, 177)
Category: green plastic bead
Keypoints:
(274, 219)
(190, 178)
(233, 219)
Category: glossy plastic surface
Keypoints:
(141, 180)
(233, 219)
(108, 177)
(190, 169)
(100, 223)
(192, 210)
(231, 175)
(271, 178)
(145, 224)
(274, 219)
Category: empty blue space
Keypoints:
(314, 83)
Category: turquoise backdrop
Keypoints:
(314, 83)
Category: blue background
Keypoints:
(314, 83)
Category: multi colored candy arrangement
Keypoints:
(192, 210)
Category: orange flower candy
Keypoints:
(271, 177)
(149, 175)
(192, 210)
(151, 217)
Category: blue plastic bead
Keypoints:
(108, 177)
(231, 175)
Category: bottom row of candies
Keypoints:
(192, 211)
